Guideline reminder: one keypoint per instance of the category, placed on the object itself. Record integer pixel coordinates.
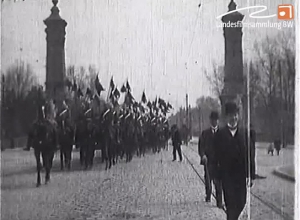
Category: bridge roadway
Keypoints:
(150, 188)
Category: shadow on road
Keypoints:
(16, 178)
(17, 185)
(18, 172)
(76, 166)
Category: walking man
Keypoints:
(206, 152)
(277, 145)
(176, 141)
(234, 162)
(271, 149)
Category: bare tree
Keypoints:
(216, 78)
(81, 78)
(16, 85)
(287, 40)
(276, 66)
(272, 83)
(93, 73)
(19, 78)
(70, 73)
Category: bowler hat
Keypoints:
(214, 115)
(231, 108)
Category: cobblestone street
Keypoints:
(147, 188)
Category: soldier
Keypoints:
(277, 145)
(184, 134)
(66, 139)
(231, 159)
(176, 141)
(29, 137)
(90, 144)
(206, 152)
(271, 149)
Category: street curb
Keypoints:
(284, 175)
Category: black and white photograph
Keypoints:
(150, 110)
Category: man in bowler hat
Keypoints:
(206, 152)
(234, 162)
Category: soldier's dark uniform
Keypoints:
(205, 148)
(66, 143)
(232, 160)
(176, 141)
(90, 144)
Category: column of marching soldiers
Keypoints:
(118, 130)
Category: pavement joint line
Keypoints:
(266, 203)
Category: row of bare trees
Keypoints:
(198, 118)
(19, 90)
(19, 95)
(272, 91)
(84, 78)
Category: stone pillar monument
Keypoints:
(55, 61)
(233, 90)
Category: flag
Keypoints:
(98, 86)
(154, 103)
(169, 106)
(117, 93)
(123, 89)
(144, 99)
(79, 92)
(135, 104)
(68, 83)
(141, 107)
(128, 86)
(149, 104)
(111, 89)
(131, 97)
(88, 92)
(112, 84)
(128, 99)
(160, 101)
(162, 104)
(74, 87)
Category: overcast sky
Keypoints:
(162, 46)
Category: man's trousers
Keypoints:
(208, 175)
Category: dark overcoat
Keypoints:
(176, 138)
(205, 144)
(233, 158)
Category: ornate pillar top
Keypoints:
(234, 16)
(54, 14)
(232, 6)
(54, 2)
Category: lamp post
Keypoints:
(200, 119)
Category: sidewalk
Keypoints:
(153, 188)
(287, 172)
(278, 192)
